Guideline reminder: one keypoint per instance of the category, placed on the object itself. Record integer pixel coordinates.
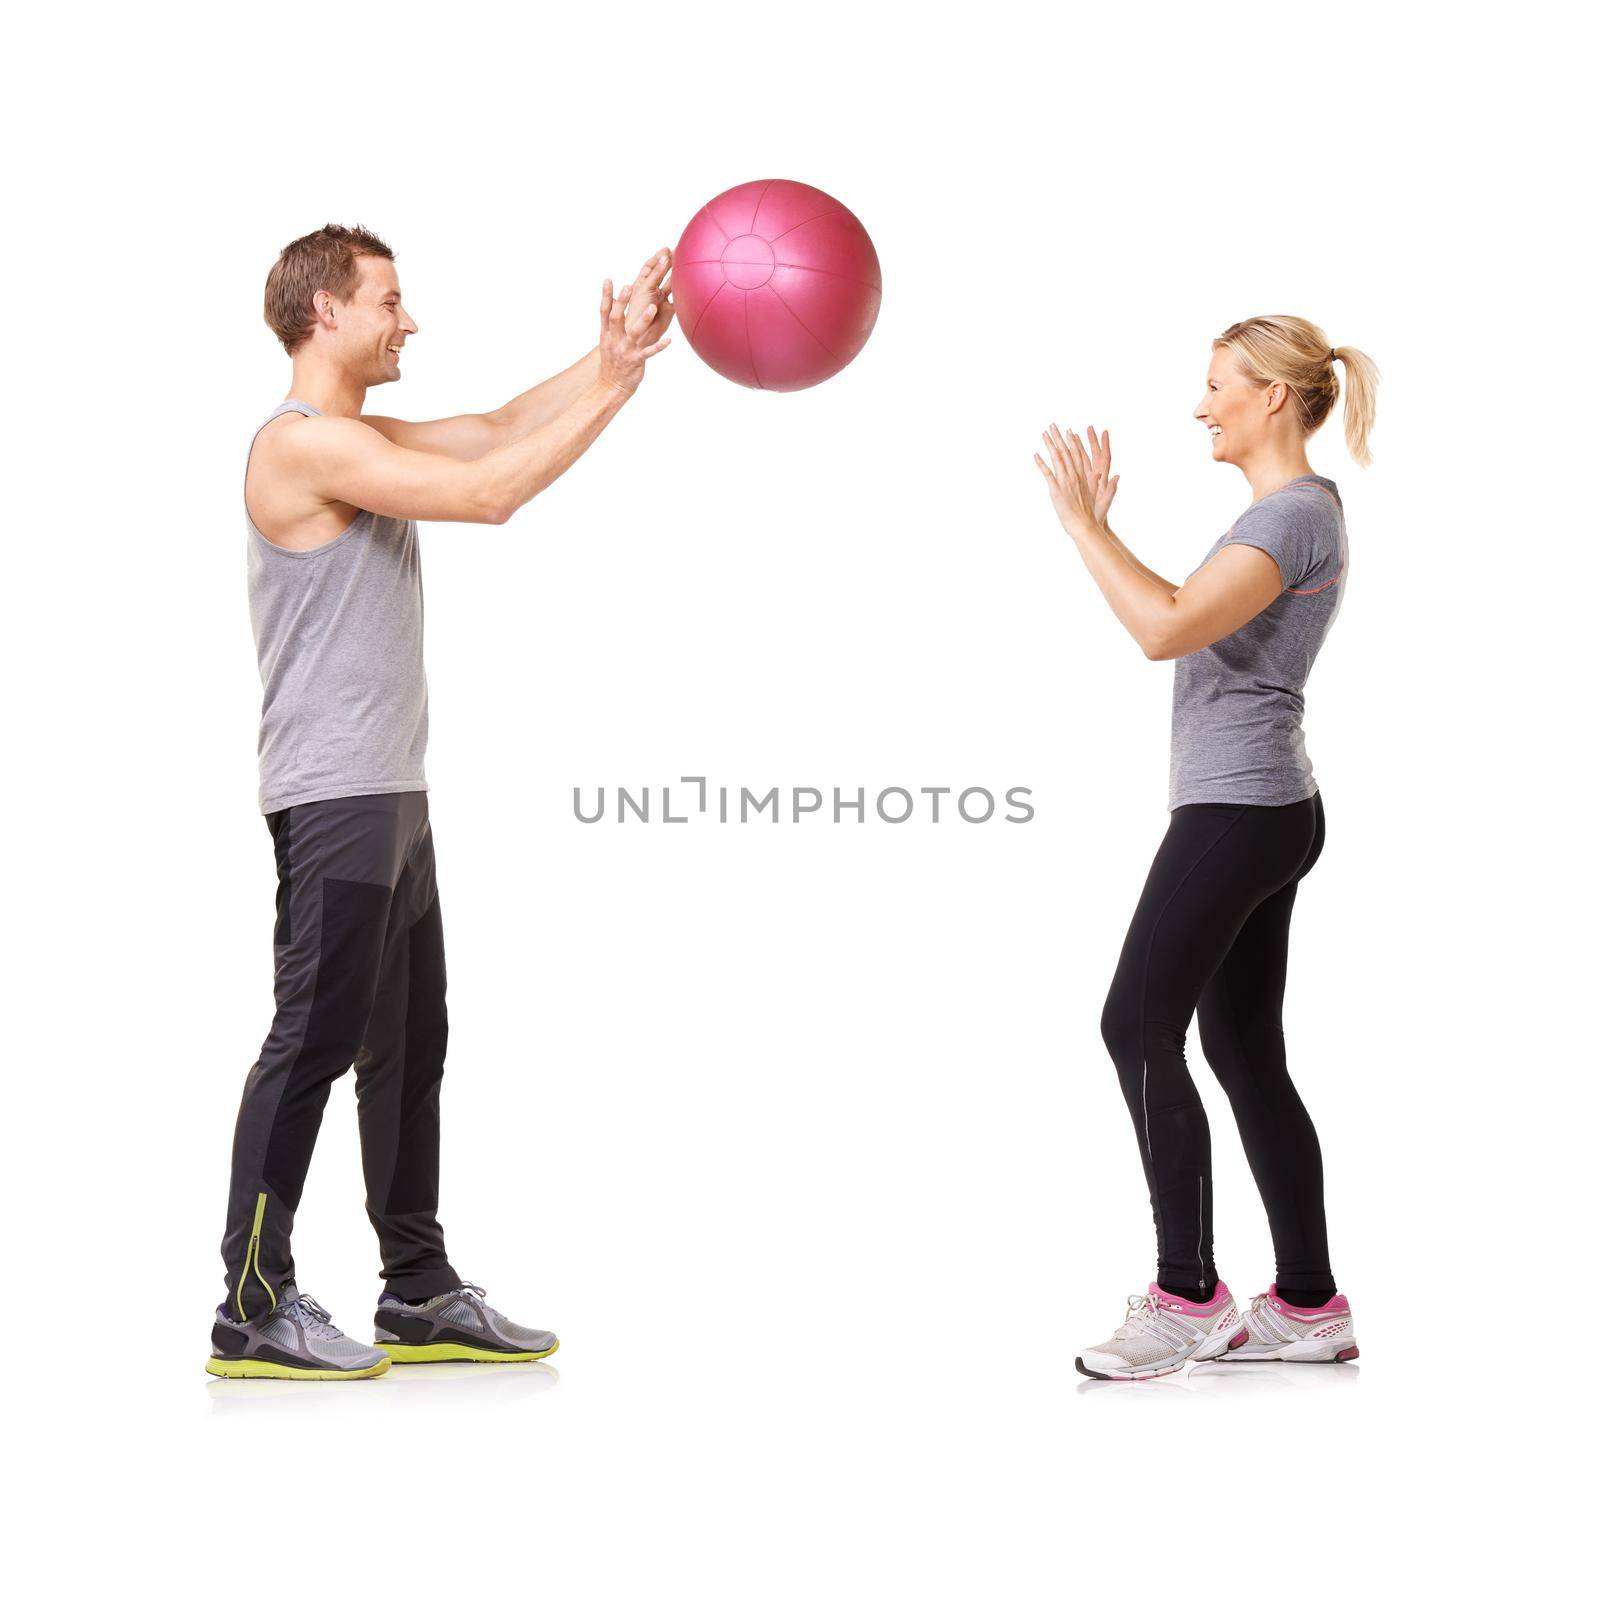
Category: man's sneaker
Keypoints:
(1279, 1331)
(296, 1339)
(457, 1326)
(1162, 1332)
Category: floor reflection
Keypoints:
(1210, 1379)
(1318, 1376)
(451, 1384)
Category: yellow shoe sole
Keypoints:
(444, 1351)
(219, 1368)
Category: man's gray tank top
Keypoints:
(1237, 704)
(344, 705)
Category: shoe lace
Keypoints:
(313, 1317)
(1141, 1311)
(495, 1321)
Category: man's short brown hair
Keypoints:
(325, 259)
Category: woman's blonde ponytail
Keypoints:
(1360, 400)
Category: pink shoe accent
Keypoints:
(1190, 1308)
(1337, 1306)
(1348, 1355)
(1238, 1339)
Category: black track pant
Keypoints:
(1211, 932)
(359, 980)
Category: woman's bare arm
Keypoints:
(1165, 620)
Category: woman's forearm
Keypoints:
(1142, 600)
(1166, 585)
(1166, 620)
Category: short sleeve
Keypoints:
(1297, 527)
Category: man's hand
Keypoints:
(624, 350)
(651, 288)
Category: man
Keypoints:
(332, 501)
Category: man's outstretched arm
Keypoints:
(343, 461)
(467, 438)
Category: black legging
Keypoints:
(1212, 932)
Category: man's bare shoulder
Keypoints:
(297, 437)
(282, 491)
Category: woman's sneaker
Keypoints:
(296, 1339)
(1162, 1332)
(1279, 1331)
(460, 1325)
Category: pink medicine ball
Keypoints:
(776, 284)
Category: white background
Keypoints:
(802, 1137)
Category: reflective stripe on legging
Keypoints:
(252, 1260)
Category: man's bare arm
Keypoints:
(344, 461)
(466, 438)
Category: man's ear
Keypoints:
(325, 308)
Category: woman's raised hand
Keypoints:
(1105, 486)
(1080, 481)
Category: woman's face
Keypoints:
(1234, 409)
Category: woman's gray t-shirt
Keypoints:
(1237, 705)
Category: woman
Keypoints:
(1211, 931)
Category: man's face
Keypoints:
(372, 326)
